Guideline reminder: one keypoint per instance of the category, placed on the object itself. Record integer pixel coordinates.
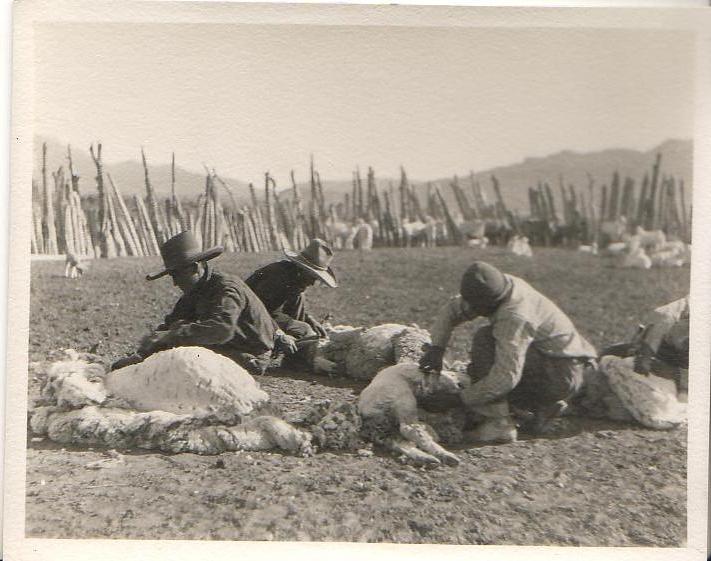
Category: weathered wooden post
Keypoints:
(550, 203)
(105, 244)
(451, 225)
(147, 228)
(114, 231)
(49, 232)
(642, 201)
(501, 209)
(613, 206)
(153, 211)
(685, 222)
(404, 197)
(59, 204)
(649, 218)
(177, 207)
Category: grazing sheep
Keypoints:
(424, 234)
(363, 235)
(671, 254)
(650, 239)
(74, 266)
(613, 231)
(637, 259)
(389, 412)
(518, 245)
(591, 249)
(187, 399)
(616, 249)
(361, 353)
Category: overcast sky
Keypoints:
(247, 99)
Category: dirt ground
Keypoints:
(592, 483)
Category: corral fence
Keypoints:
(107, 224)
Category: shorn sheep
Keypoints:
(187, 399)
(388, 408)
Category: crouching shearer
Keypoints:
(217, 312)
(282, 285)
(530, 356)
(663, 345)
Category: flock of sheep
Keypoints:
(642, 250)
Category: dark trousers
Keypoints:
(545, 380)
(670, 362)
(304, 357)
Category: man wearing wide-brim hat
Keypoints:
(215, 311)
(530, 355)
(281, 286)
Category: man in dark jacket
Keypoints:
(281, 286)
(216, 312)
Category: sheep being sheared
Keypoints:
(615, 391)
(187, 399)
(361, 353)
(388, 408)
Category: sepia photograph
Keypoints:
(358, 275)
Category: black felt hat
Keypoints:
(181, 251)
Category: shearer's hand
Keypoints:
(319, 329)
(643, 360)
(126, 361)
(285, 343)
(431, 361)
(151, 342)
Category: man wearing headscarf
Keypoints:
(530, 354)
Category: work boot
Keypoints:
(543, 419)
(499, 430)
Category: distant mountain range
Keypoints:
(514, 179)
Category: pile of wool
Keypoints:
(598, 401)
(334, 426)
(448, 425)
(187, 399)
(189, 380)
(651, 400)
(75, 381)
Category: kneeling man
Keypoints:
(281, 286)
(215, 311)
(664, 343)
(530, 355)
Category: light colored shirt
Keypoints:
(669, 323)
(527, 318)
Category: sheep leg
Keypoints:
(283, 435)
(423, 437)
(324, 366)
(409, 450)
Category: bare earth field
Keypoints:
(594, 483)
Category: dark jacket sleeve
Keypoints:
(215, 329)
(181, 311)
